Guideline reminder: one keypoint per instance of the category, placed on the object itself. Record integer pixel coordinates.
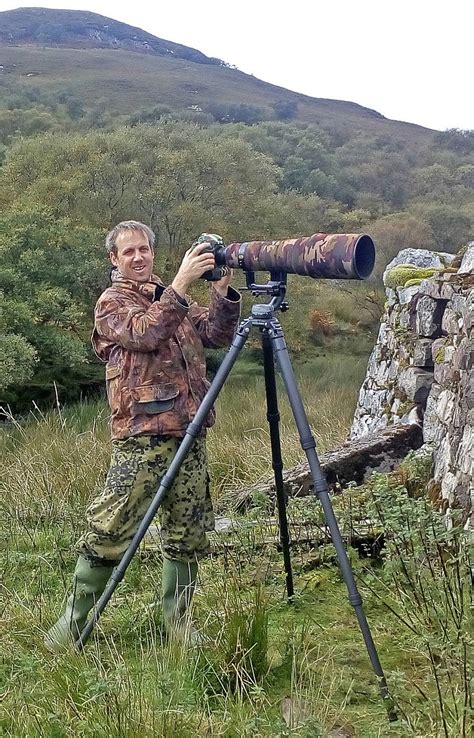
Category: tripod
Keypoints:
(274, 349)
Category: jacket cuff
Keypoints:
(173, 296)
(232, 295)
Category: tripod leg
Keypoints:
(273, 417)
(192, 432)
(321, 489)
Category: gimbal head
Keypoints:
(274, 288)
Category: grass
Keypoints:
(271, 669)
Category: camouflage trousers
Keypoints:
(137, 467)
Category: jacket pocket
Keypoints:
(154, 398)
(112, 384)
(112, 372)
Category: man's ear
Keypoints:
(113, 258)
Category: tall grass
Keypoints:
(266, 668)
(51, 466)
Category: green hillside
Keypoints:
(130, 76)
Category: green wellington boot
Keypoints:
(178, 585)
(89, 583)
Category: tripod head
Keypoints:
(274, 288)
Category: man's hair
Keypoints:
(127, 225)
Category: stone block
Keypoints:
(447, 291)
(443, 458)
(393, 370)
(431, 288)
(433, 430)
(463, 358)
(467, 389)
(429, 314)
(406, 294)
(416, 257)
(392, 298)
(450, 321)
(445, 374)
(404, 319)
(449, 484)
(416, 384)
(393, 317)
(367, 424)
(458, 303)
(445, 406)
(422, 356)
(465, 452)
(467, 263)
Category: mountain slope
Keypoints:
(95, 58)
(82, 29)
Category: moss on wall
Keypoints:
(400, 275)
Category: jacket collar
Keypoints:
(143, 288)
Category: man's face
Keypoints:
(134, 256)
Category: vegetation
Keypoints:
(61, 192)
(270, 668)
(165, 138)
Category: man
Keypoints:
(151, 338)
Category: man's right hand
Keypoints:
(196, 261)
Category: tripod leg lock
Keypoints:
(193, 429)
(355, 599)
(307, 442)
(273, 417)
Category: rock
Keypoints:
(467, 263)
(416, 383)
(406, 294)
(432, 428)
(224, 525)
(447, 291)
(445, 374)
(422, 353)
(429, 314)
(412, 417)
(450, 321)
(463, 358)
(354, 461)
(445, 406)
(465, 455)
(417, 257)
(448, 487)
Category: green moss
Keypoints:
(404, 408)
(440, 355)
(400, 275)
(413, 282)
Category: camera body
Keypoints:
(216, 247)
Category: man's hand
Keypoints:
(222, 284)
(193, 266)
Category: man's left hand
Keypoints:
(222, 284)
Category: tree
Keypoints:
(398, 231)
(51, 271)
(285, 109)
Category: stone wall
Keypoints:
(421, 367)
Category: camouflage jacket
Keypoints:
(155, 373)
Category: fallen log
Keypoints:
(352, 462)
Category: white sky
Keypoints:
(411, 60)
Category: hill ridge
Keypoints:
(83, 28)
